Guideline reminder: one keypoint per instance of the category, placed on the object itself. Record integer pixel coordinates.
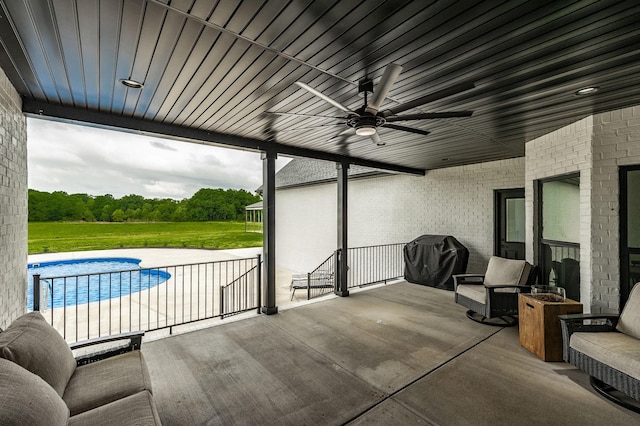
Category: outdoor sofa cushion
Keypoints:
(629, 322)
(26, 399)
(33, 344)
(617, 350)
(102, 382)
(138, 409)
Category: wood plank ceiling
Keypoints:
(212, 70)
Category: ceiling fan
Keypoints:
(367, 119)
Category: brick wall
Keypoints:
(13, 204)
(454, 201)
(616, 142)
(596, 147)
(564, 151)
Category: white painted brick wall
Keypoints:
(455, 201)
(616, 142)
(564, 151)
(595, 146)
(13, 204)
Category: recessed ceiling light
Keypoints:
(587, 90)
(131, 83)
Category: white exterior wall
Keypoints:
(455, 201)
(13, 204)
(565, 151)
(616, 142)
(595, 146)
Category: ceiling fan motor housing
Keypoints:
(366, 120)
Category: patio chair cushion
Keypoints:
(102, 382)
(138, 409)
(35, 345)
(616, 350)
(501, 271)
(26, 399)
(629, 322)
(473, 291)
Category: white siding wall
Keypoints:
(13, 204)
(455, 201)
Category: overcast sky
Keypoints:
(80, 159)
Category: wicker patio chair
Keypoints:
(607, 348)
(492, 297)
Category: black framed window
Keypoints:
(559, 233)
(629, 230)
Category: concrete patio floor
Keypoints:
(393, 355)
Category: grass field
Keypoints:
(54, 237)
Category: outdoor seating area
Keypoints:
(492, 298)
(318, 281)
(42, 383)
(396, 354)
(607, 347)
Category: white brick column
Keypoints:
(13, 204)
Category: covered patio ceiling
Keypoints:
(214, 72)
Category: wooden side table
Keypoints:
(539, 325)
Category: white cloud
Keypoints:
(81, 159)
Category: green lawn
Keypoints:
(45, 237)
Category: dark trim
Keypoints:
(39, 109)
(538, 247)
(497, 211)
(625, 251)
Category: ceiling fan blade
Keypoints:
(376, 139)
(305, 128)
(429, 116)
(407, 129)
(345, 132)
(430, 98)
(291, 114)
(390, 75)
(342, 144)
(324, 97)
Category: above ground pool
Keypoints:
(79, 281)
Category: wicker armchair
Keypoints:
(492, 298)
(607, 348)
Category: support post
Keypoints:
(36, 292)
(259, 280)
(269, 232)
(342, 264)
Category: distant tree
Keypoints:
(117, 215)
(207, 204)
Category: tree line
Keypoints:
(205, 205)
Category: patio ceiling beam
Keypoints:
(51, 111)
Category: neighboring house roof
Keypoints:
(306, 171)
(254, 206)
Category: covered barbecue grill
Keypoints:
(432, 259)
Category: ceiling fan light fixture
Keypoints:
(366, 130)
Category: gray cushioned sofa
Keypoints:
(607, 347)
(42, 383)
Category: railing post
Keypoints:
(36, 292)
(221, 301)
(259, 278)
